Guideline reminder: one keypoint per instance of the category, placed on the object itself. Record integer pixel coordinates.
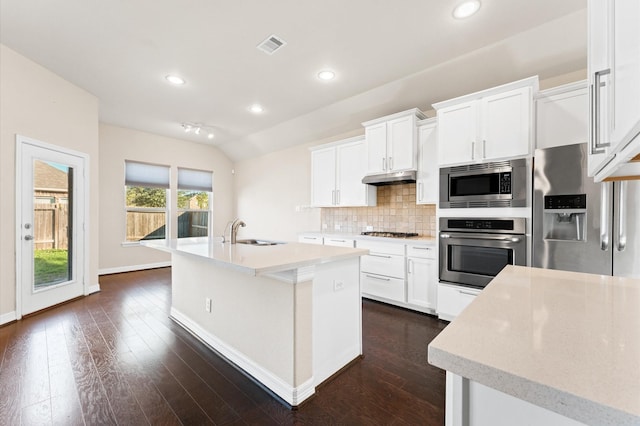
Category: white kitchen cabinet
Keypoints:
(614, 83)
(311, 239)
(490, 125)
(562, 115)
(453, 299)
(428, 173)
(422, 276)
(392, 142)
(339, 242)
(337, 170)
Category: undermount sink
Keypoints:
(258, 242)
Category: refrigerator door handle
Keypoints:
(605, 191)
(621, 244)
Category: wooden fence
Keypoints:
(50, 226)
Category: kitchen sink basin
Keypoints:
(258, 242)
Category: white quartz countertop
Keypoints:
(565, 341)
(256, 260)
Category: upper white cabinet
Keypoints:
(562, 115)
(336, 175)
(392, 142)
(489, 125)
(428, 172)
(614, 83)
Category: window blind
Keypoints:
(144, 174)
(195, 180)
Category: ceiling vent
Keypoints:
(271, 44)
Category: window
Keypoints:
(146, 201)
(194, 201)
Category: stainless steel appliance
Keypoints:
(579, 225)
(493, 184)
(474, 251)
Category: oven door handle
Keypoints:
(482, 237)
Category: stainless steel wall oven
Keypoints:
(474, 250)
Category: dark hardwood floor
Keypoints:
(116, 358)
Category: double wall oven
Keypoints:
(474, 250)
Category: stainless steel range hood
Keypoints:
(408, 176)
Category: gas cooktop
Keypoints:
(390, 234)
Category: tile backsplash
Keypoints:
(396, 211)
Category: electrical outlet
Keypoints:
(338, 285)
(207, 304)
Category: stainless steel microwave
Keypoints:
(493, 184)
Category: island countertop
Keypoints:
(256, 260)
(565, 341)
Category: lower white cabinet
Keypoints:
(382, 286)
(311, 239)
(339, 242)
(453, 299)
(422, 274)
(400, 274)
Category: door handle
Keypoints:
(621, 244)
(604, 216)
(28, 237)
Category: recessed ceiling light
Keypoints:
(255, 108)
(326, 75)
(466, 9)
(174, 79)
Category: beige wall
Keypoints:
(118, 144)
(36, 103)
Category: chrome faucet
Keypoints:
(234, 229)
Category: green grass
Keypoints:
(50, 266)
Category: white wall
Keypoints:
(36, 103)
(271, 188)
(118, 144)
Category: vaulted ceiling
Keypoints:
(387, 56)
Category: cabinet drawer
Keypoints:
(310, 239)
(452, 300)
(383, 264)
(421, 251)
(339, 242)
(378, 247)
(387, 287)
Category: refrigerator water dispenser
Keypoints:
(565, 217)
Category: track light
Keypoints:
(198, 129)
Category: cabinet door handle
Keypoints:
(384, 163)
(338, 197)
(484, 149)
(473, 150)
(409, 269)
(333, 197)
(621, 244)
(378, 278)
(419, 191)
(390, 163)
(597, 147)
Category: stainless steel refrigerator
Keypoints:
(579, 225)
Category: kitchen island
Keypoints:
(288, 315)
(543, 347)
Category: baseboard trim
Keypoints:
(131, 268)
(293, 396)
(8, 317)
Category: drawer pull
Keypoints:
(421, 248)
(467, 293)
(339, 241)
(380, 255)
(378, 278)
